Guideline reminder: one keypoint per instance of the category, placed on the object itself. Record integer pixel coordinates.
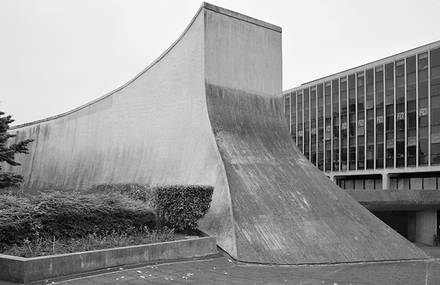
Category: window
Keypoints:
(313, 129)
(435, 106)
(320, 112)
(389, 109)
(360, 120)
(380, 120)
(306, 123)
(400, 113)
(293, 116)
(328, 126)
(335, 103)
(299, 111)
(411, 110)
(287, 108)
(344, 125)
(423, 107)
(370, 118)
(352, 122)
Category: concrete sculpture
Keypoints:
(209, 111)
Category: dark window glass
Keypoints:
(328, 126)
(435, 106)
(389, 109)
(423, 107)
(293, 116)
(380, 119)
(361, 120)
(352, 121)
(320, 112)
(287, 108)
(335, 103)
(344, 123)
(306, 123)
(313, 129)
(400, 113)
(411, 110)
(300, 131)
(370, 118)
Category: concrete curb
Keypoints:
(25, 270)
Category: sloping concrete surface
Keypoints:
(209, 111)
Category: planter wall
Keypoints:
(24, 270)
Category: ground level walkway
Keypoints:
(222, 270)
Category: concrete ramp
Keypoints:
(209, 111)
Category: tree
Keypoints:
(8, 152)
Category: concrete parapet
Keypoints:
(24, 270)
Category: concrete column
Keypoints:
(412, 226)
(426, 226)
(385, 181)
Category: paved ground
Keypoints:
(222, 270)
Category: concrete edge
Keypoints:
(25, 270)
(241, 17)
(355, 262)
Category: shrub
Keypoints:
(177, 206)
(49, 246)
(135, 191)
(70, 215)
(180, 207)
(16, 221)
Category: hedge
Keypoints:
(177, 206)
(135, 191)
(180, 207)
(70, 215)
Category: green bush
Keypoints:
(70, 215)
(177, 206)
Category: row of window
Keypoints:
(382, 117)
(401, 183)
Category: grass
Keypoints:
(45, 246)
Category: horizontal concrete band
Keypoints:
(397, 199)
(24, 270)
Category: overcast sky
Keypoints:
(56, 54)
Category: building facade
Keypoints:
(376, 126)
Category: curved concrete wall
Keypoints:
(207, 112)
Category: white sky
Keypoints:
(56, 55)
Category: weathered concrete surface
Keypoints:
(426, 226)
(24, 270)
(405, 200)
(209, 111)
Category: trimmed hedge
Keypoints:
(177, 206)
(70, 215)
(135, 191)
(180, 207)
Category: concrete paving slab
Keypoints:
(221, 271)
